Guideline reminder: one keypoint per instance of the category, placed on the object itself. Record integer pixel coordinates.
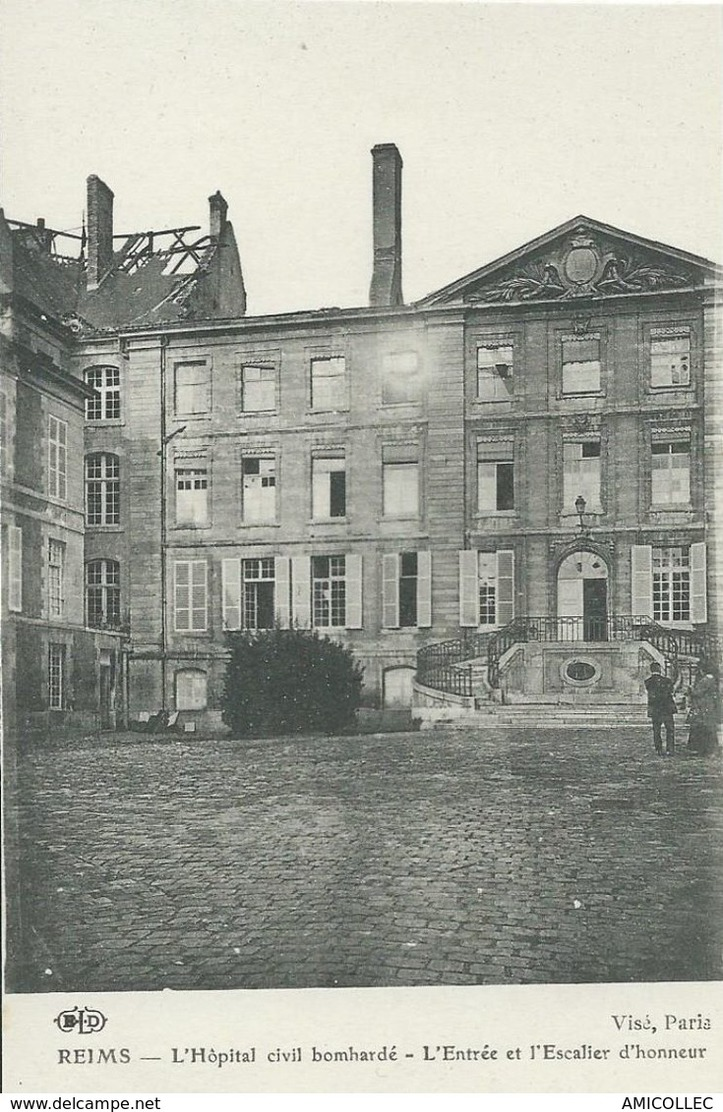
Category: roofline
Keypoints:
(309, 317)
(547, 237)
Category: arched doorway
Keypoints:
(582, 597)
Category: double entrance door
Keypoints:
(582, 598)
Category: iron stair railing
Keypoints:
(442, 666)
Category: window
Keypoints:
(193, 388)
(258, 489)
(3, 429)
(258, 593)
(105, 406)
(102, 594)
(328, 585)
(670, 479)
(258, 389)
(671, 584)
(581, 365)
(408, 589)
(495, 477)
(486, 587)
(255, 593)
(56, 569)
(15, 568)
(328, 487)
(57, 458)
(56, 676)
(581, 475)
(191, 496)
(400, 378)
(494, 372)
(400, 489)
(190, 596)
(669, 358)
(102, 489)
(328, 383)
(191, 685)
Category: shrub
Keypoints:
(289, 681)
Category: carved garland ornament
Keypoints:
(585, 271)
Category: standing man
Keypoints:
(661, 708)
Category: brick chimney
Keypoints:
(100, 230)
(217, 214)
(386, 285)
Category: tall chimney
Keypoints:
(100, 230)
(386, 285)
(217, 214)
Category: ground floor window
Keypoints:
(486, 591)
(102, 592)
(191, 689)
(258, 593)
(56, 676)
(328, 587)
(671, 584)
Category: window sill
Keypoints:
(411, 404)
(104, 422)
(243, 413)
(569, 395)
(484, 514)
(191, 416)
(189, 526)
(493, 401)
(328, 521)
(259, 524)
(327, 412)
(594, 511)
(105, 528)
(413, 518)
(671, 388)
(670, 507)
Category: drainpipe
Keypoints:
(162, 454)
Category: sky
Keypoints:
(510, 119)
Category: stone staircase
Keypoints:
(550, 716)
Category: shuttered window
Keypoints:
(487, 587)
(190, 596)
(406, 590)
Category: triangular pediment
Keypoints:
(581, 258)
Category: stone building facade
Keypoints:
(397, 474)
(57, 673)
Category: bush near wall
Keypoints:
(289, 681)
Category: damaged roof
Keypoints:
(148, 282)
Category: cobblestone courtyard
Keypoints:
(439, 858)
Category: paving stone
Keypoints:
(320, 861)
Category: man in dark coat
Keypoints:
(661, 708)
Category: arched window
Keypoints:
(102, 489)
(191, 689)
(102, 593)
(105, 405)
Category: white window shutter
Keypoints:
(641, 576)
(353, 592)
(390, 590)
(698, 598)
(231, 593)
(281, 591)
(301, 591)
(468, 588)
(505, 586)
(424, 589)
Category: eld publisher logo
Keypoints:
(82, 1021)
